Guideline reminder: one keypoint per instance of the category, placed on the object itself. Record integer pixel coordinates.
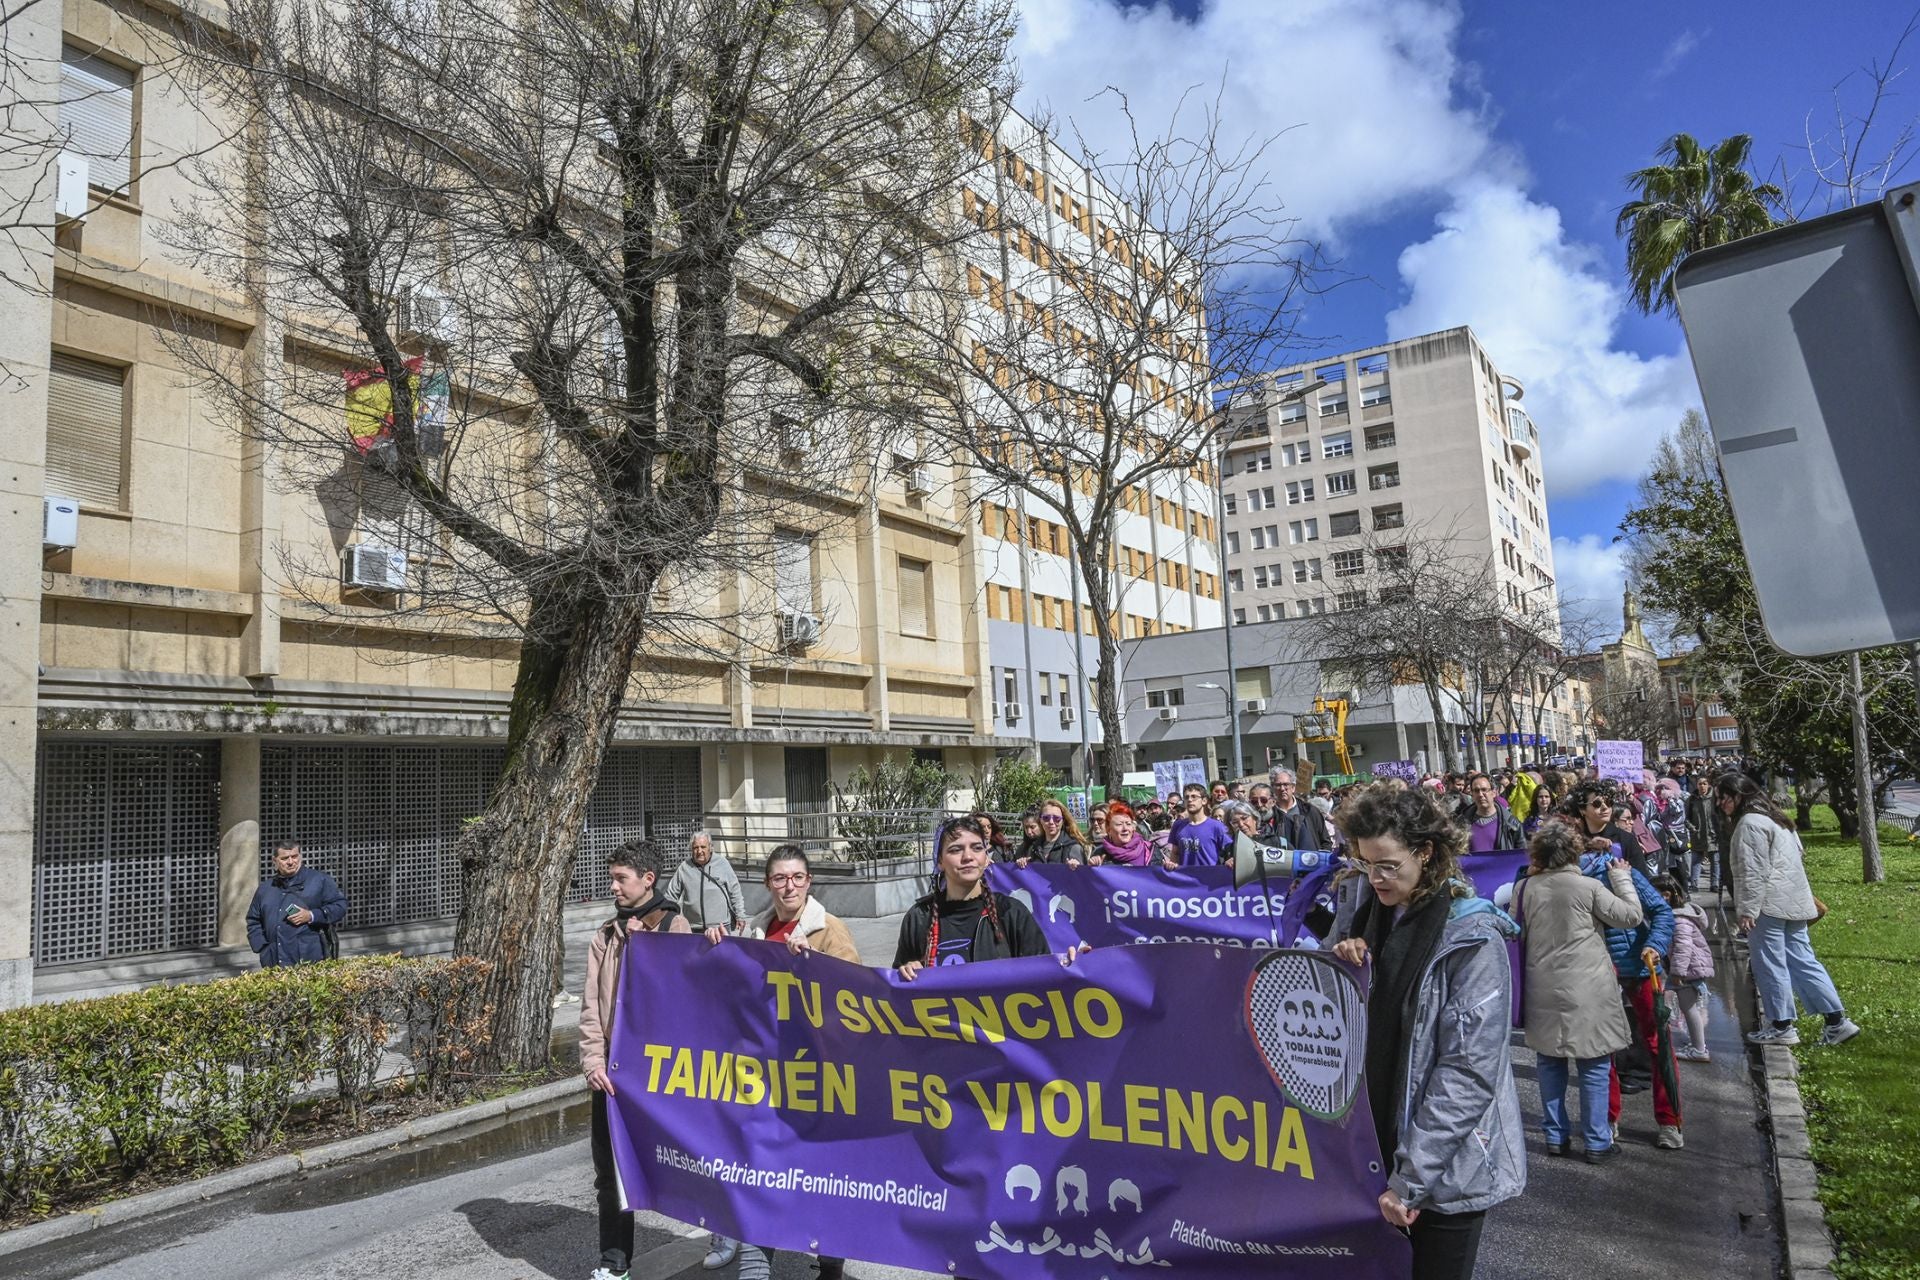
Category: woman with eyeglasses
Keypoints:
(1438, 1064)
(796, 918)
(1061, 840)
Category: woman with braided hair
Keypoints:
(961, 921)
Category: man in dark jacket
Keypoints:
(292, 910)
(1294, 820)
(1490, 825)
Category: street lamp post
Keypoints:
(1233, 721)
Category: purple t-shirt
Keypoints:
(1483, 834)
(1202, 843)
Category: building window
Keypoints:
(1172, 696)
(1392, 517)
(1343, 525)
(1239, 617)
(793, 570)
(1333, 404)
(1377, 394)
(1347, 601)
(1299, 491)
(1726, 735)
(1293, 411)
(1230, 505)
(1259, 538)
(1265, 613)
(1043, 681)
(916, 602)
(1259, 576)
(1390, 558)
(1307, 570)
(1380, 438)
(1348, 564)
(1009, 685)
(1292, 455)
(1065, 684)
(1717, 711)
(1340, 483)
(1384, 477)
(1234, 580)
(87, 432)
(1233, 542)
(1337, 445)
(96, 116)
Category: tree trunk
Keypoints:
(1116, 753)
(1872, 868)
(518, 856)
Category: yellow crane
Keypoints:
(1328, 723)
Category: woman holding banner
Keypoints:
(1125, 844)
(961, 921)
(1438, 1067)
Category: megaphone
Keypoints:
(1253, 860)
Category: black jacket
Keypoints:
(1304, 828)
(1019, 933)
(277, 940)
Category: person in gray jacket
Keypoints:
(706, 888)
(1439, 1070)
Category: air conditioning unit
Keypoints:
(372, 567)
(798, 630)
(1169, 713)
(1356, 749)
(60, 524)
(70, 198)
(1012, 712)
(1254, 706)
(425, 314)
(919, 480)
(1066, 717)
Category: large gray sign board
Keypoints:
(1806, 342)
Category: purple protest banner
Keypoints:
(1195, 1108)
(1115, 906)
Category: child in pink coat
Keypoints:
(1690, 962)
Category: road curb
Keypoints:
(147, 1204)
(1803, 1220)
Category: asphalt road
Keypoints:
(515, 1202)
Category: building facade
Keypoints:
(1703, 724)
(1179, 699)
(1338, 459)
(173, 708)
(1045, 212)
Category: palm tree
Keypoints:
(1699, 197)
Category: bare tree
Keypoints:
(1415, 606)
(1121, 293)
(617, 290)
(1631, 706)
(1861, 145)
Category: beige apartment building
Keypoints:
(171, 707)
(1346, 458)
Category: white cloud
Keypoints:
(1365, 95)
(1380, 112)
(1683, 44)
(1591, 573)
(1547, 309)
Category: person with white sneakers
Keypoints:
(1774, 904)
(795, 917)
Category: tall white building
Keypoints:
(1424, 435)
(1048, 212)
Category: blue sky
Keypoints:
(1466, 161)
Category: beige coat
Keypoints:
(1769, 871)
(824, 932)
(1572, 996)
(604, 954)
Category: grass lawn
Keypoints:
(1863, 1100)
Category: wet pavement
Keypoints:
(514, 1201)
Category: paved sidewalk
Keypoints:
(515, 1202)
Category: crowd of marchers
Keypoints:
(1617, 953)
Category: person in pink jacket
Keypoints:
(1690, 961)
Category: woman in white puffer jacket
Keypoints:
(1775, 904)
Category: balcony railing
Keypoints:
(1384, 482)
(1386, 441)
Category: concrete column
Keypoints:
(1400, 740)
(239, 835)
(26, 343)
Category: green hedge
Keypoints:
(182, 1079)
